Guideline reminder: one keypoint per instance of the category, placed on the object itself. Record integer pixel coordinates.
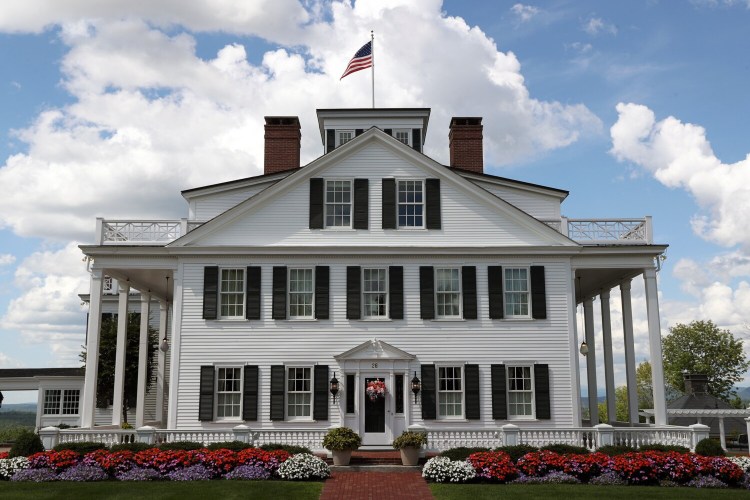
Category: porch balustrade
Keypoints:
(141, 232)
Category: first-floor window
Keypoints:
(232, 293)
(448, 293)
(61, 402)
(450, 391)
(520, 392)
(300, 293)
(228, 393)
(517, 292)
(298, 393)
(375, 293)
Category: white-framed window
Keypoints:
(344, 136)
(520, 392)
(338, 203)
(298, 393)
(450, 392)
(61, 401)
(232, 293)
(516, 296)
(411, 203)
(448, 292)
(301, 293)
(228, 393)
(403, 135)
(375, 292)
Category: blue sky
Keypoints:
(110, 110)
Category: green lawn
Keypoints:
(204, 490)
(577, 492)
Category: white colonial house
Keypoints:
(283, 297)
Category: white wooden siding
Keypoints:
(535, 204)
(268, 342)
(207, 207)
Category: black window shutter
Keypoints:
(252, 297)
(538, 293)
(396, 292)
(317, 187)
(353, 292)
(330, 140)
(358, 132)
(388, 131)
(250, 393)
(471, 379)
(361, 204)
(541, 392)
(469, 285)
(321, 292)
(320, 397)
(279, 293)
(278, 381)
(389, 204)
(416, 139)
(495, 288)
(429, 406)
(210, 292)
(206, 402)
(427, 292)
(399, 394)
(432, 200)
(349, 388)
(499, 394)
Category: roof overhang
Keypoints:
(323, 114)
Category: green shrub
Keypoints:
(340, 439)
(134, 447)
(461, 453)
(182, 445)
(663, 447)
(27, 443)
(63, 426)
(10, 434)
(289, 448)
(615, 449)
(83, 447)
(410, 439)
(566, 449)
(517, 451)
(709, 448)
(230, 445)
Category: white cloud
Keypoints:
(580, 47)
(524, 12)
(720, 3)
(149, 117)
(679, 155)
(595, 25)
(7, 259)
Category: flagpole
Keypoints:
(372, 49)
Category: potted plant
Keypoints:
(409, 443)
(341, 441)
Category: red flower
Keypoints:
(493, 465)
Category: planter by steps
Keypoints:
(341, 457)
(341, 441)
(409, 443)
(409, 456)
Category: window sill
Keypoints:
(411, 228)
(449, 419)
(375, 320)
(229, 421)
(230, 320)
(449, 320)
(517, 318)
(301, 320)
(340, 229)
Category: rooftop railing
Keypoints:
(142, 232)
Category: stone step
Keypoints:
(389, 458)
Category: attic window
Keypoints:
(344, 136)
(403, 135)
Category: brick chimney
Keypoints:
(465, 143)
(283, 141)
(695, 383)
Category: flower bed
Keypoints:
(635, 468)
(154, 464)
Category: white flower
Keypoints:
(304, 466)
(9, 466)
(443, 469)
(743, 462)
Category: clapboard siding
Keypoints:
(209, 206)
(483, 341)
(284, 219)
(535, 204)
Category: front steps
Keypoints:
(390, 459)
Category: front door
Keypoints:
(375, 412)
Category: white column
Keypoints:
(140, 404)
(93, 328)
(722, 434)
(609, 370)
(627, 329)
(574, 352)
(588, 316)
(654, 339)
(174, 349)
(122, 332)
(747, 429)
(161, 361)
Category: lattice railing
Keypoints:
(440, 440)
(143, 232)
(605, 231)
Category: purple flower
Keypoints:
(608, 478)
(35, 475)
(248, 472)
(554, 477)
(138, 474)
(192, 473)
(82, 472)
(707, 482)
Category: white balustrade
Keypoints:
(582, 436)
(312, 439)
(636, 437)
(108, 437)
(444, 439)
(610, 231)
(143, 232)
(205, 436)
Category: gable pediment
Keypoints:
(372, 350)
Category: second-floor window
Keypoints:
(375, 292)
(448, 292)
(232, 293)
(411, 203)
(517, 292)
(338, 203)
(301, 293)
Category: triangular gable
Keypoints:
(376, 136)
(374, 349)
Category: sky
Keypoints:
(109, 109)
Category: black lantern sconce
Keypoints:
(416, 386)
(164, 346)
(334, 387)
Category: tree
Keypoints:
(701, 347)
(644, 389)
(105, 386)
(621, 406)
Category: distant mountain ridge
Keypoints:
(19, 407)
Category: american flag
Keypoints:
(361, 60)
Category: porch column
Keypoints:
(609, 371)
(122, 332)
(627, 329)
(140, 404)
(93, 328)
(654, 338)
(174, 349)
(722, 434)
(588, 316)
(161, 358)
(574, 352)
